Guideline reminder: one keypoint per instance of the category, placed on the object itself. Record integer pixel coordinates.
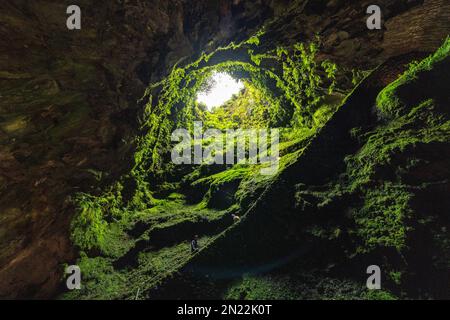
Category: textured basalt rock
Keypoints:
(68, 99)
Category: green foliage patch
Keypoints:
(393, 100)
(305, 286)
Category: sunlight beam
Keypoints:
(224, 87)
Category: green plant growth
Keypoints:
(301, 287)
(248, 110)
(303, 82)
(89, 227)
(394, 100)
(106, 221)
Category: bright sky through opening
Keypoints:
(224, 87)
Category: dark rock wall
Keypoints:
(408, 26)
(68, 105)
(418, 29)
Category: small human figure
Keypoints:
(235, 218)
(194, 244)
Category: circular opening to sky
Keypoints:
(221, 88)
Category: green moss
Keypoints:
(382, 221)
(302, 83)
(171, 102)
(396, 276)
(218, 186)
(235, 173)
(380, 295)
(99, 280)
(422, 125)
(89, 227)
(300, 287)
(293, 140)
(376, 171)
(116, 241)
(390, 103)
(383, 176)
(169, 213)
(263, 288)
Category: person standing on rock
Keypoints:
(194, 244)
